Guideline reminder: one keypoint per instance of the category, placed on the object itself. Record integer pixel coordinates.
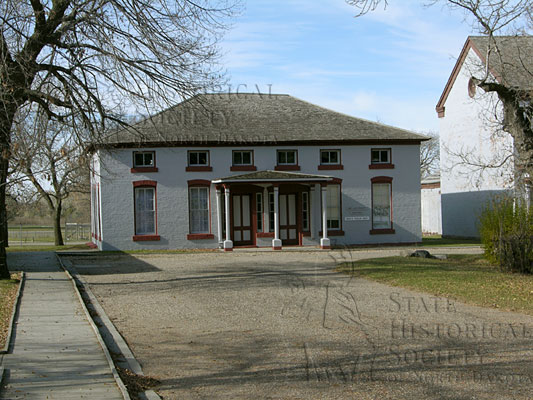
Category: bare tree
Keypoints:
(430, 155)
(507, 71)
(49, 164)
(84, 58)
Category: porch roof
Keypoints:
(273, 176)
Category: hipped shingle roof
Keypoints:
(259, 119)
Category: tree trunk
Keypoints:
(58, 236)
(6, 120)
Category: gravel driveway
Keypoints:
(284, 325)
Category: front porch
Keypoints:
(273, 209)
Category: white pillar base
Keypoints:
(276, 244)
(228, 245)
(325, 244)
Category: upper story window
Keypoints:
(381, 159)
(243, 157)
(330, 157)
(287, 160)
(380, 156)
(287, 157)
(144, 159)
(198, 160)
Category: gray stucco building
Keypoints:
(230, 170)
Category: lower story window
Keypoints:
(305, 211)
(259, 211)
(144, 211)
(381, 206)
(334, 207)
(199, 209)
(271, 212)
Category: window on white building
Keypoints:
(197, 158)
(145, 211)
(199, 209)
(334, 207)
(242, 157)
(330, 157)
(144, 159)
(381, 206)
(380, 156)
(305, 211)
(287, 157)
(259, 211)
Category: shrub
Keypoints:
(506, 229)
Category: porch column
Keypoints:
(312, 212)
(266, 211)
(276, 242)
(324, 242)
(228, 244)
(219, 214)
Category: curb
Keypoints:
(111, 337)
(14, 315)
(118, 380)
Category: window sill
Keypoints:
(382, 231)
(146, 238)
(330, 167)
(243, 168)
(336, 232)
(287, 168)
(200, 236)
(381, 166)
(265, 234)
(204, 168)
(306, 234)
(143, 169)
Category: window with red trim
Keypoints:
(199, 209)
(334, 207)
(145, 211)
(143, 159)
(381, 158)
(287, 160)
(198, 161)
(198, 158)
(382, 205)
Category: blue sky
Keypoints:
(388, 66)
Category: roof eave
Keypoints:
(204, 143)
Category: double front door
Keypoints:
(244, 210)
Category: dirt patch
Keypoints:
(8, 295)
(286, 325)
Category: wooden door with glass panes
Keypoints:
(288, 226)
(242, 219)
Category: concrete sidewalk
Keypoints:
(56, 354)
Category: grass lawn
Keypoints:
(8, 292)
(467, 278)
(66, 247)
